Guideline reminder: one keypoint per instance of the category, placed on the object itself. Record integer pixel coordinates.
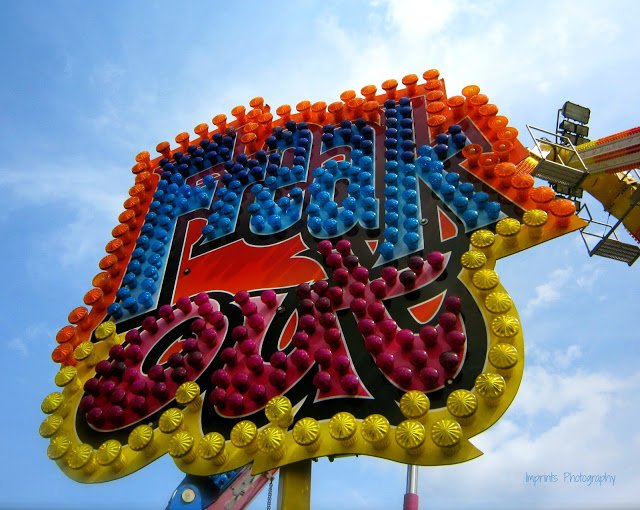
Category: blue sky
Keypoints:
(86, 86)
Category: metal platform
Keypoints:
(616, 250)
(558, 160)
(557, 173)
(608, 244)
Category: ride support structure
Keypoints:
(606, 169)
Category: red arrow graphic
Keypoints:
(238, 266)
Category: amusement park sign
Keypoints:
(295, 284)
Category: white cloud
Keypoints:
(71, 182)
(557, 358)
(579, 282)
(37, 334)
(17, 344)
(415, 16)
(553, 389)
(108, 76)
(79, 202)
(549, 291)
(517, 53)
(589, 276)
(574, 422)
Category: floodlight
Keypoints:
(582, 130)
(576, 112)
(576, 139)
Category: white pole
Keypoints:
(411, 496)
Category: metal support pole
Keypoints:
(411, 497)
(294, 487)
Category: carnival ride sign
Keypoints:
(319, 282)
